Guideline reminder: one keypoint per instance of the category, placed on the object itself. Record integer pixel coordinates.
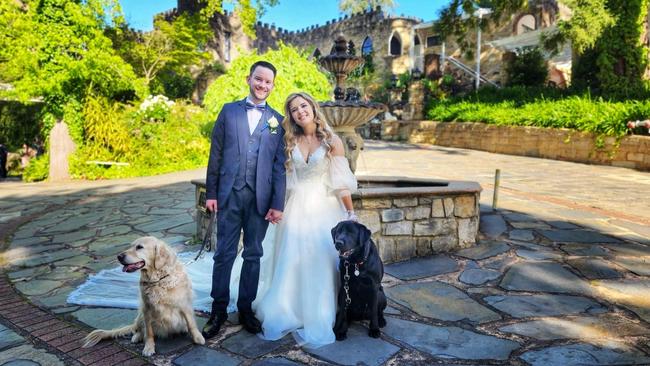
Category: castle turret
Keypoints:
(190, 6)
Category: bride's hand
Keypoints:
(273, 216)
(350, 215)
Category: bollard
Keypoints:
(497, 181)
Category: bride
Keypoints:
(301, 296)
(298, 271)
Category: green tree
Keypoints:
(607, 37)
(589, 19)
(295, 73)
(57, 50)
(173, 46)
(621, 53)
(355, 6)
(247, 12)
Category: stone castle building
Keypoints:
(391, 40)
(397, 44)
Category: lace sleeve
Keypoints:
(341, 180)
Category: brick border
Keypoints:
(59, 337)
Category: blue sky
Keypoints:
(288, 14)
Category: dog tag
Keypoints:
(356, 272)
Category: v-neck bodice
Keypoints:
(313, 166)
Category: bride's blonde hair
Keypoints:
(292, 131)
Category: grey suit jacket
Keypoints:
(228, 150)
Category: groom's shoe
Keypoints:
(250, 322)
(212, 327)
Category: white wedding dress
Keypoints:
(298, 271)
(302, 293)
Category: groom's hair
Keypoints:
(266, 64)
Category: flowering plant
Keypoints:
(155, 108)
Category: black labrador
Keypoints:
(361, 296)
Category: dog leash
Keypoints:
(207, 239)
(346, 285)
(346, 279)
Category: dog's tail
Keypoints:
(99, 334)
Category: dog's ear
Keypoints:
(364, 239)
(335, 231)
(162, 256)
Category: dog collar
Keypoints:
(149, 283)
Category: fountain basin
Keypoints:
(340, 114)
(408, 217)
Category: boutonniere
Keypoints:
(272, 124)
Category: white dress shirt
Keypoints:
(254, 116)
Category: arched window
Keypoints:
(418, 53)
(525, 24)
(316, 54)
(395, 45)
(366, 46)
(226, 46)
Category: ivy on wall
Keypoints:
(617, 63)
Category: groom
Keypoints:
(245, 185)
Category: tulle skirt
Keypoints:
(302, 294)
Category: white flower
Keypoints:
(273, 122)
(152, 100)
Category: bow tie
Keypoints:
(259, 107)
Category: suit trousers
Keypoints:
(238, 213)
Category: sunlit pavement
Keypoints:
(560, 276)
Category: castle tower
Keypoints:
(190, 6)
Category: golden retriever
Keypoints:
(165, 296)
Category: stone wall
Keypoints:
(560, 144)
(418, 226)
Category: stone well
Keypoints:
(408, 217)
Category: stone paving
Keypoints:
(560, 276)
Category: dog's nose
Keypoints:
(338, 244)
(120, 257)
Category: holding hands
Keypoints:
(273, 216)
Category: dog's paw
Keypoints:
(136, 338)
(374, 333)
(382, 322)
(341, 336)
(197, 338)
(149, 349)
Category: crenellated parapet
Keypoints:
(374, 25)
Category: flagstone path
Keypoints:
(561, 275)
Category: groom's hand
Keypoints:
(211, 205)
(273, 216)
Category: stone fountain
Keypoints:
(408, 217)
(346, 112)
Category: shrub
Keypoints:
(530, 107)
(527, 68)
(19, 123)
(174, 84)
(295, 73)
(38, 169)
(147, 147)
